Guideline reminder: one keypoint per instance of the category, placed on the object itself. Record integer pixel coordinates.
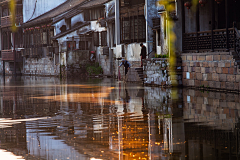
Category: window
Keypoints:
(31, 39)
(159, 37)
(133, 29)
(96, 38)
(71, 45)
(63, 28)
(5, 41)
(113, 35)
(50, 35)
(93, 14)
(68, 22)
(86, 15)
(5, 12)
(104, 38)
(44, 37)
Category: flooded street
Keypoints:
(48, 119)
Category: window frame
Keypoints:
(69, 47)
(104, 38)
(136, 32)
(95, 38)
(94, 14)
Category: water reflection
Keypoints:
(44, 118)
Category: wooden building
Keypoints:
(214, 26)
(11, 42)
(208, 43)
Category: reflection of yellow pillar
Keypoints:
(120, 138)
(149, 137)
(167, 134)
(159, 125)
(165, 138)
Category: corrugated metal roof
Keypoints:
(47, 17)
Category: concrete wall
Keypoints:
(43, 6)
(212, 69)
(58, 25)
(155, 72)
(76, 19)
(9, 68)
(41, 67)
(76, 63)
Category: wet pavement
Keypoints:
(48, 119)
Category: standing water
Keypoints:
(48, 119)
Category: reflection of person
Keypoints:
(126, 101)
(143, 53)
(92, 56)
(126, 64)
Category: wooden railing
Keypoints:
(203, 40)
(8, 55)
(6, 21)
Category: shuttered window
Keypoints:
(104, 38)
(96, 38)
(133, 29)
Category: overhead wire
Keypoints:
(35, 6)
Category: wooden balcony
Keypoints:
(202, 41)
(6, 21)
(8, 55)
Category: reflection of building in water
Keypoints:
(213, 109)
(167, 134)
(14, 139)
(212, 131)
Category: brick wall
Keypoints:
(213, 69)
(214, 109)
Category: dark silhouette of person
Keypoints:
(143, 53)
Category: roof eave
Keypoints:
(69, 31)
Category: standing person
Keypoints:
(126, 64)
(143, 53)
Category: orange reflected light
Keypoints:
(95, 97)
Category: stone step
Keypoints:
(135, 74)
(139, 69)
